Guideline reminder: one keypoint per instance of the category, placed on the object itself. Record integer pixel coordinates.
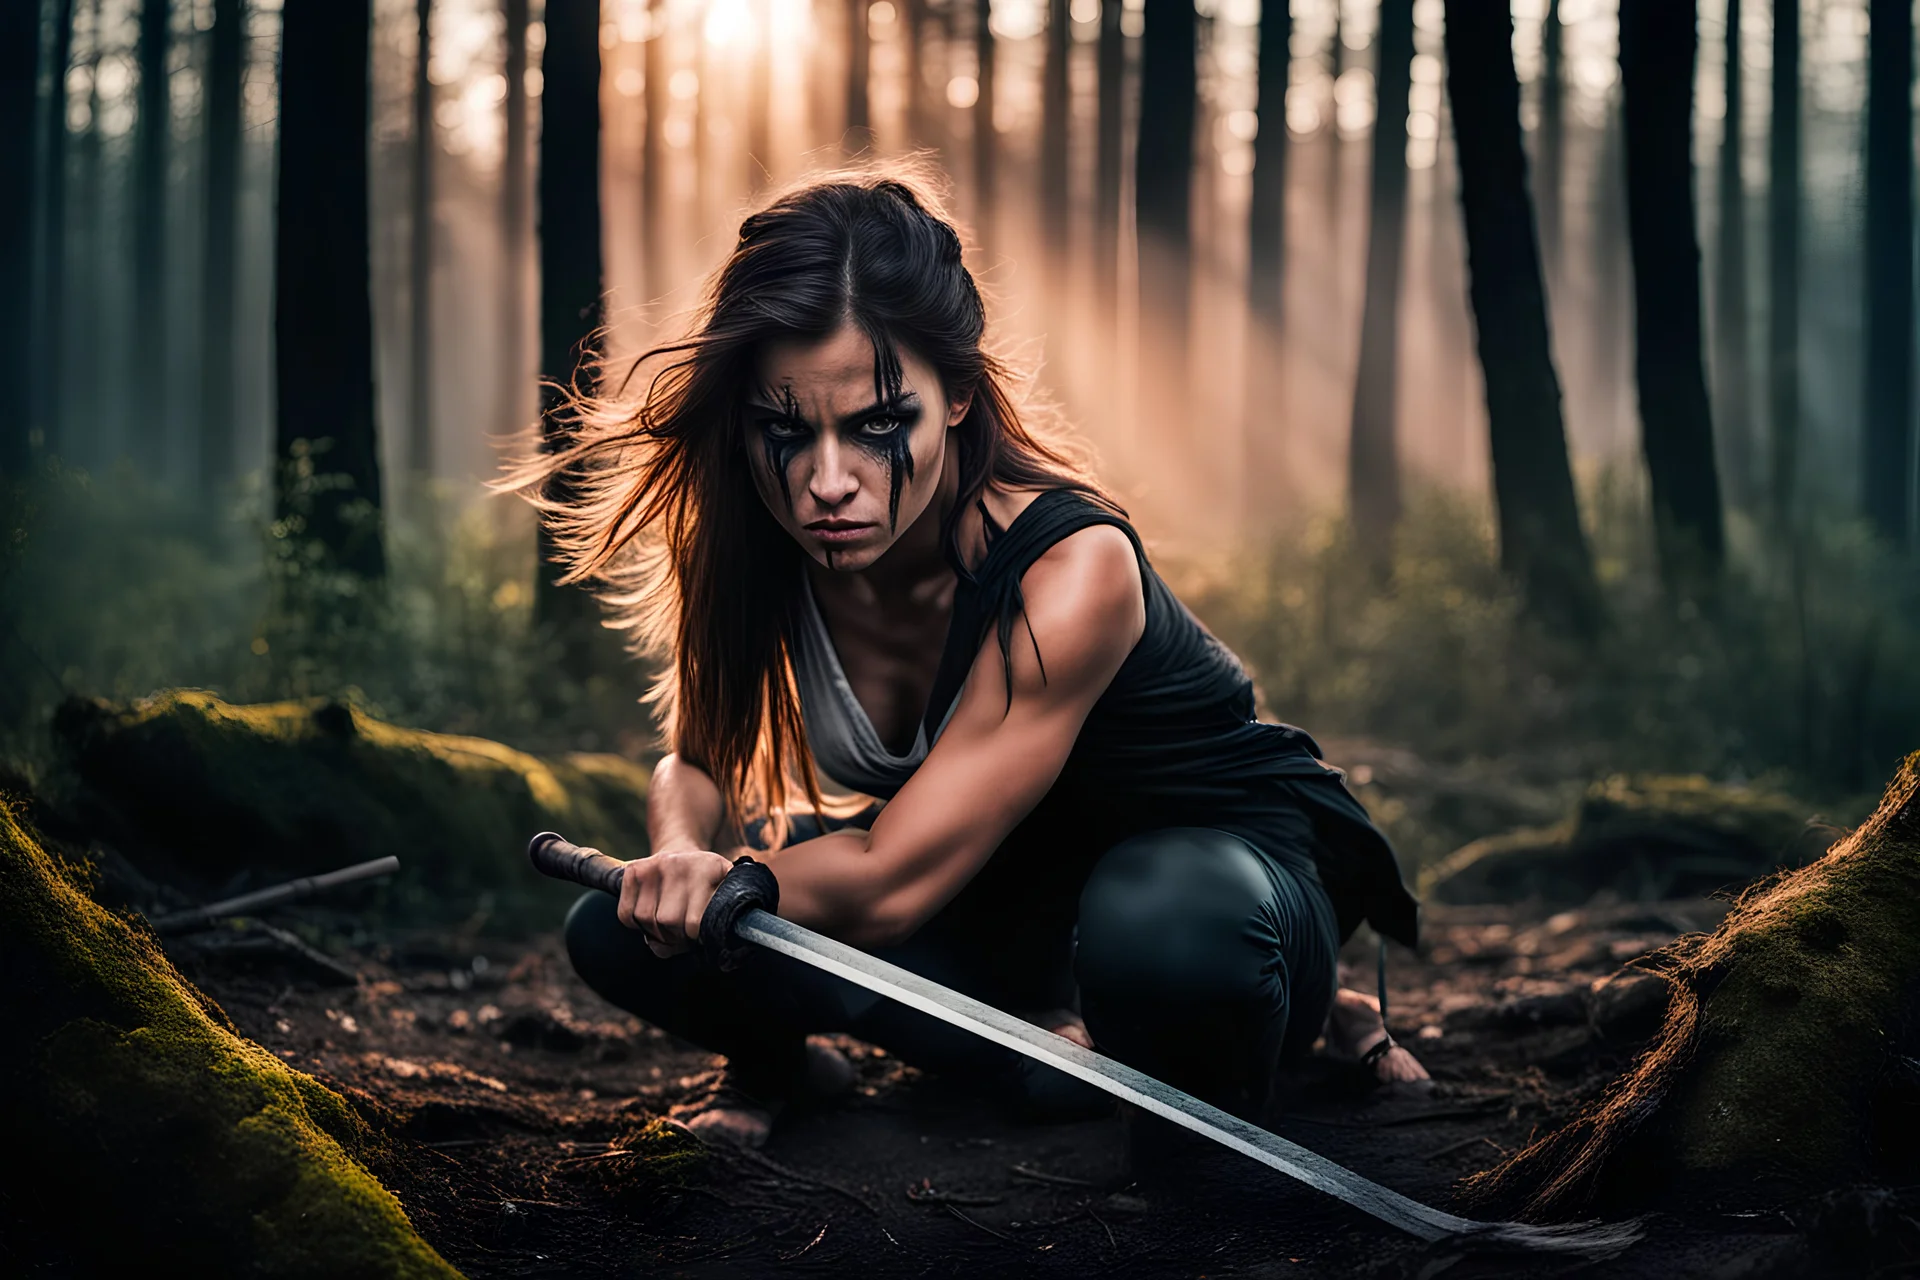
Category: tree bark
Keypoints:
(51, 356)
(19, 59)
(513, 224)
(859, 132)
(1373, 476)
(1541, 543)
(225, 67)
(653, 161)
(1783, 264)
(1163, 206)
(149, 429)
(323, 307)
(1267, 212)
(1111, 55)
(1054, 108)
(1887, 446)
(985, 140)
(1657, 49)
(1733, 369)
(420, 257)
(1551, 146)
(570, 262)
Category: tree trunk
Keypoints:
(19, 59)
(985, 140)
(1783, 264)
(1108, 149)
(513, 225)
(1784, 1060)
(87, 412)
(1551, 146)
(1163, 206)
(1373, 477)
(420, 258)
(1055, 106)
(759, 107)
(148, 430)
(1887, 446)
(653, 160)
(859, 132)
(323, 306)
(225, 68)
(1657, 48)
(1541, 543)
(1267, 213)
(918, 132)
(570, 265)
(1731, 326)
(51, 357)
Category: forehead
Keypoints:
(838, 368)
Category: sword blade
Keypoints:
(1164, 1100)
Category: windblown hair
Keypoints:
(650, 499)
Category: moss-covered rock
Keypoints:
(297, 787)
(1641, 837)
(1787, 1054)
(141, 1130)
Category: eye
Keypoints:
(882, 427)
(783, 429)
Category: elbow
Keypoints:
(886, 923)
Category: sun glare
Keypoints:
(729, 23)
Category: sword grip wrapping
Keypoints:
(554, 855)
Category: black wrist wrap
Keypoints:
(749, 886)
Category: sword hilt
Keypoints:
(554, 855)
(750, 886)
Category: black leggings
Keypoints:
(1198, 959)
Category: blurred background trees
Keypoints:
(261, 253)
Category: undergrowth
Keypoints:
(1803, 661)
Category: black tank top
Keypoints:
(1173, 742)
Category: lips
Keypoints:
(839, 530)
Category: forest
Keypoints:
(1525, 392)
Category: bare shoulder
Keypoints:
(1088, 584)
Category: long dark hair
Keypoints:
(651, 499)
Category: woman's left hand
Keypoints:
(665, 895)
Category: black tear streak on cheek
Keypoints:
(899, 470)
(779, 461)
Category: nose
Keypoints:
(833, 482)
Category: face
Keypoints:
(846, 453)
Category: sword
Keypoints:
(554, 856)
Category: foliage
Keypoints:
(130, 1093)
(1804, 660)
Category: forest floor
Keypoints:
(509, 1089)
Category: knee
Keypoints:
(1177, 915)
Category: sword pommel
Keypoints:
(554, 855)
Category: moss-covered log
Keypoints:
(142, 1132)
(1786, 1062)
(297, 787)
(1642, 837)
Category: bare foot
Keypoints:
(732, 1117)
(1354, 1028)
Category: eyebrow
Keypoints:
(904, 403)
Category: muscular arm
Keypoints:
(684, 807)
(1086, 609)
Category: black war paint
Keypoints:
(893, 449)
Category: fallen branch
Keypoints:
(275, 895)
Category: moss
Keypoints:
(1647, 836)
(1785, 1027)
(148, 1129)
(303, 786)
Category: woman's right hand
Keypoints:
(665, 894)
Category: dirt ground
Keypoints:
(511, 1091)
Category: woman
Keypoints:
(854, 552)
